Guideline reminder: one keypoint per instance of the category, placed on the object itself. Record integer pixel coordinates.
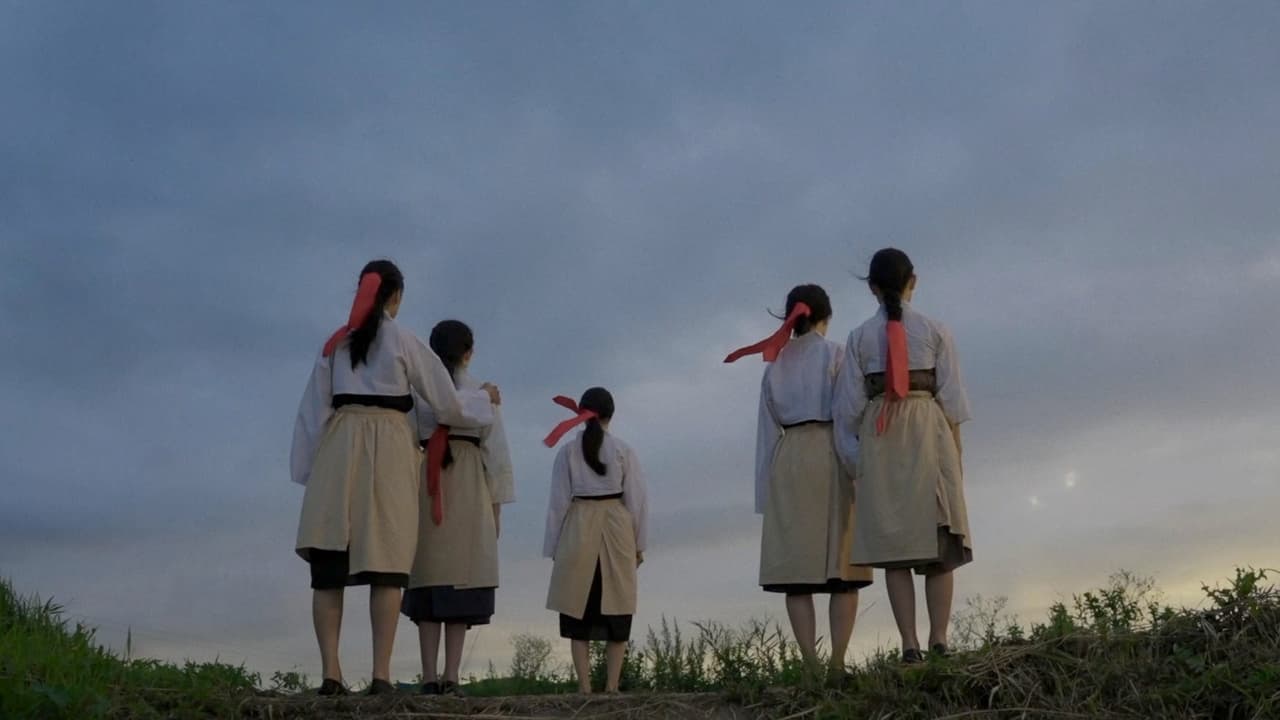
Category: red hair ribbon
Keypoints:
(437, 445)
(772, 345)
(366, 297)
(897, 378)
(580, 417)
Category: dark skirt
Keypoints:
(594, 625)
(834, 586)
(331, 570)
(445, 604)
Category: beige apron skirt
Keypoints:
(910, 488)
(808, 518)
(462, 551)
(595, 532)
(362, 496)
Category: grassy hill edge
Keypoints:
(1114, 652)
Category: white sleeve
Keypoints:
(635, 495)
(558, 505)
(429, 378)
(768, 433)
(951, 393)
(313, 413)
(498, 473)
(424, 418)
(848, 404)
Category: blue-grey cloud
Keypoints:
(614, 194)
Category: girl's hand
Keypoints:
(497, 518)
(639, 559)
(495, 397)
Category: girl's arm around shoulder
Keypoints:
(429, 377)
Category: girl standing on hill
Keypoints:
(899, 406)
(597, 525)
(354, 450)
(806, 499)
(455, 572)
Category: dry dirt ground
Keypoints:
(776, 705)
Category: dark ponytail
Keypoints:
(890, 273)
(362, 337)
(599, 401)
(819, 307)
(451, 340)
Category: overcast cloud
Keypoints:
(613, 193)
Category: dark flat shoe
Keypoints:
(380, 687)
(451, 689)
(912, 656)
(431, 688)
(333, 688)
(939, 651)
(839, 680)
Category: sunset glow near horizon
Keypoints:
(614, 194)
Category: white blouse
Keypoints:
(496, 454)
(929, 346)
(398, 364)
(572, 476)
(798, 386)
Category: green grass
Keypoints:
(1116, 652)
(1113, 652)
(51, 669)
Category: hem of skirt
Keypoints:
(374, 579)
(833, 586)
(943, 562)
(304, 551)
(470, 622)
(448, 604)
(607, 628)
(379, 579)
(330, 571)
(925, 567)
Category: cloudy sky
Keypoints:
(614, 193)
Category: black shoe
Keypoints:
(839, 680)
(451, 689)
(333, 688)
(431, 688)
(380, 687)
(912, 656)
(939, 651)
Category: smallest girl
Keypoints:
(597, 524)
(469, 478)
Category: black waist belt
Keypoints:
(447, 460)
(615, 496)
(918, 381)
(403, 403)
(805, 422)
